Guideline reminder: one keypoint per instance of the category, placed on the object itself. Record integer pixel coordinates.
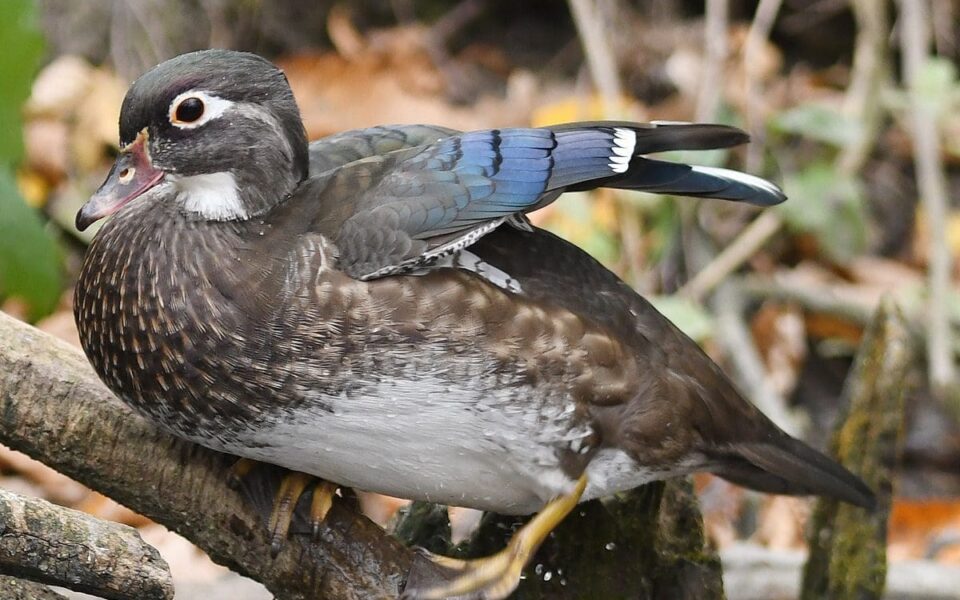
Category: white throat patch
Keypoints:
(213, 195)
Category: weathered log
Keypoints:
(51, 544)
(848, 548)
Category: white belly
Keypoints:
(423, 441)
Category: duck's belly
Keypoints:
(426, 440)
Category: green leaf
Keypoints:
(29, 259)
(829, 206)
(819, 123)
(22, 47)
(691, 317)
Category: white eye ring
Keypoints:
(213, 108)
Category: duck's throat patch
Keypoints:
(213, 196)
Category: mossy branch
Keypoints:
(644, 544)
(848, 550)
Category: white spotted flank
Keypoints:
(624, 142)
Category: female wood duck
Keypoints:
(377, 311)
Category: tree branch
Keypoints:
(54, 409)
(50, 544)
(600, 59)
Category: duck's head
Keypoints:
(216, 131)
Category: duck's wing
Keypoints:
(408, 209)
(337, 150)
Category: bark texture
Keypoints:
(12, 588)
(50, 544)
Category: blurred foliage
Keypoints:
(938, 85)
(829, 206)
(818, 123)
(22, 46)
(826, 203)
(29, 258)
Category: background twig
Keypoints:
(716, 24)
(603, 66)
(747, 243)
(914, 43)
(870, 72)
(734, 334)
(759, 31)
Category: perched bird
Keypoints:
(375, 310)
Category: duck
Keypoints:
(376, 310)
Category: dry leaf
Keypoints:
(781, 337)
(917, 526)
(59, 88)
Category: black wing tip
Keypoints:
(789, 466)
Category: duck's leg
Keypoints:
(494, 577)
(292, 487)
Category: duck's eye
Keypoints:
(195, 108)
(189, 110)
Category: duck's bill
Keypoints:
(131, 176)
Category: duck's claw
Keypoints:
(323, 493)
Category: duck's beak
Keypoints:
(132, 175)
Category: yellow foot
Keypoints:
(292, 487)
(494, 577)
